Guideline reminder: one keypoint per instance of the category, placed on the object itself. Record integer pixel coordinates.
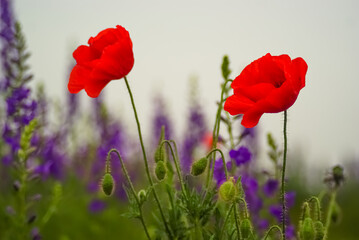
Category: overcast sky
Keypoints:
(174, 40)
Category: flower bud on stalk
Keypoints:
(142, 196)
(199, 166)
(246, 228)
(107, 184)
(160, 170)
(228, 190)
(307, 230)
(319, 230)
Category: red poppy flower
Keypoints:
(270, 84)
(109, 56)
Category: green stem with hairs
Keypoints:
(330, 212)
(272, 228)
(225, 221)
(224, 162)
(145, 160)
(216, 132)
(175, 159)
(125, 172)
(283, 174)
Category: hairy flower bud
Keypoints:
(319, 230)
(107, 184)
(159, 154)
(160, 170)
(307, 230)
(142, 196)
(245, 228)
(228, 190)
(199, 166)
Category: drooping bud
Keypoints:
(228, 190)
(338, 175)
(199, 166)
(160, 153)
(246, 228)
(107, 184)
(319, 230)
(160, 170)
(142, 196)
(307, 230)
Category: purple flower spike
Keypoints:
(240, 156)
(270, 187)
(219, 173)
(290, 232)
(290, 199)
(276, 211)
(96, 206)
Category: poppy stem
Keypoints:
(283, 174)
(145, 160)
(125, 172)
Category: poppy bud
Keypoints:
(107, 184)
(227, 190)
(142, 195)
(307, 230)
(159, 154)
(199, 166)
(245, 228)
(160, 170)
(319, 230)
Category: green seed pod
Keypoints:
(245, 228)
(107, 184)
(199, 166)
(160, 170)
(319, 230)
(227, 190)
(142, 196)
(307, 230)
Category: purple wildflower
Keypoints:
(35, 234)
(290, 232)
(219, 173)
(241, 156)
(270, 187)
(161, 119)
(290, 199)
(250, 187)
(96, 206)
(195, 133)
(276, 211)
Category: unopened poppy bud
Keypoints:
(245, 228)
(227, 190)
(307, 231)
(338, 175)
(160, 170)
(319, 230)
(142, 195)
(159, 154)
(199, 166)
(107, 184)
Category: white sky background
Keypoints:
(174, 40)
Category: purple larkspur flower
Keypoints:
(52, 158)
(276, 211)
(7, 20)
(290, 232)
(270, 187)
(218, 173)
(240, 156)
(194, 134)
(290, 199)
(35, 234)
(250, 187)
(262, 224)
(161, 119)
(97, 206)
